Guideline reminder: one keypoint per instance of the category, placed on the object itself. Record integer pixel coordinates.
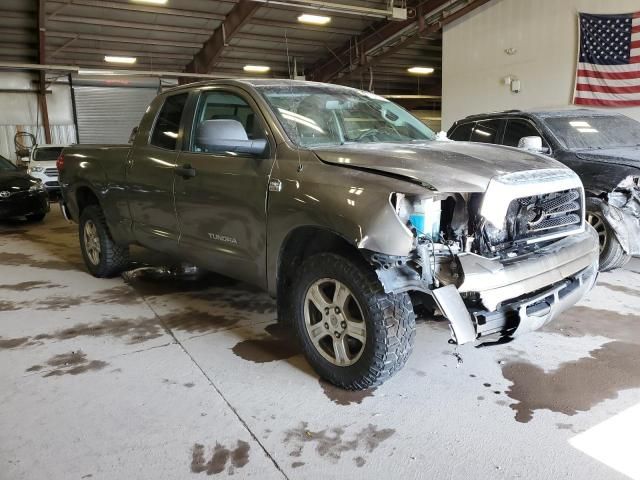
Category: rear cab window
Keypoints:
(167, 127)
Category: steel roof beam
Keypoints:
(383, 32)
(119, 39)
(212, 49)
(174, 12)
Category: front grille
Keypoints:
(531, 218)
(550, 213)
(51, 172)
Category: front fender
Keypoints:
(350, 203)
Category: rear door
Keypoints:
(150, 177)
(221, 201)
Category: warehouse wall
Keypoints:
(19, 111)
(545, 35)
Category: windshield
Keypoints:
(49, 154)
(595, 132)
(6, 164)
(315, 115)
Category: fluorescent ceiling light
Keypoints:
(314, 19)
(420, 70)
(171, 134)
(256, 68)
(579, 124)
(127, 60)
(154, 2)
(587, 130)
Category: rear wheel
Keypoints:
(103, 257)
(353, 333)
(612, 255)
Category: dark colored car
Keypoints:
(602, 148)
(20, 194)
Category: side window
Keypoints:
(462, 132)
(225, 123)
(167, 127)
(516, 129)
(486, 131)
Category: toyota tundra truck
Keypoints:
(344, 207)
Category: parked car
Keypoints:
(342, 205)
(602, 148)
(21, 195)
(42, 165)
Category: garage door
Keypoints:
(107, 114)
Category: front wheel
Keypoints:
(103, 257)
(612, 255)
(353, 333)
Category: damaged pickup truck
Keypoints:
(344, 207)
(602, 148)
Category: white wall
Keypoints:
(18, 111)
(545, 34)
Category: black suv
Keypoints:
(602, 148)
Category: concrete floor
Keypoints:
(149, 376)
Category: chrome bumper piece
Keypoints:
(524, 294)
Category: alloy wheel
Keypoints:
(335, 322)
(597, 222)
(92, 242)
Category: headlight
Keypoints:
(421, 214)
(37, 169)
(37, 187)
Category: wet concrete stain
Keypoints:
(297, 464)
(359, 461)
(26, 286)
(480, 398)
(121, 295)
(585, 321)
(135, 330)
(564, 426)
(24, 260)
(197, 321)
(574, 386)
(6, 306)
(72, 363)
(8, 343)
(620, 288)
(236, 458)
(331, 444)
(340, 396)
(277, 345)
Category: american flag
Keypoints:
(609, 61)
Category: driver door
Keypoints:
(221, 197)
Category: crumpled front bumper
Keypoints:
(523, 294)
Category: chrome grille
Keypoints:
(548, 213)
(51, 172)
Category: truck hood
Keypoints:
(445, 166)
(627, 156)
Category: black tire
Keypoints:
(389, 320)
(36, 217)
(612, 255)
(112, 258)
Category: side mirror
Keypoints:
(532, 144)
(134, 132)
(250, 147)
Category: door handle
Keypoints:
(185, 171)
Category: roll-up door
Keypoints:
(107, 114)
